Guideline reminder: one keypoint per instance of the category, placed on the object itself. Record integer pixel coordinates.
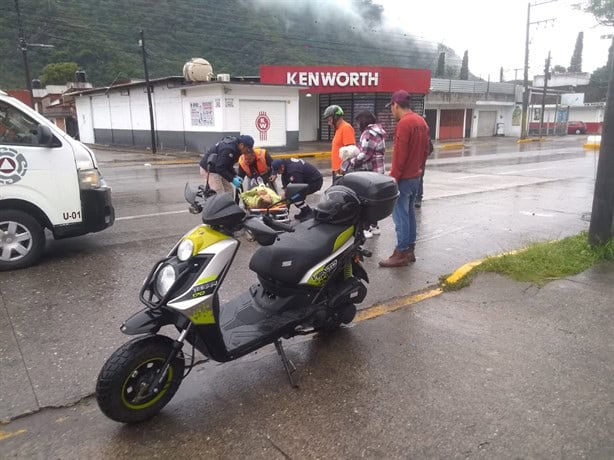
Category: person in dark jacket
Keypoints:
(222, 175)
(295, 171)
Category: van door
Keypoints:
(44, 175)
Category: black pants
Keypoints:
(314, 186)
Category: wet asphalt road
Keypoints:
(60, 319)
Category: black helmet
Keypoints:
(339, 205)
(332, 111)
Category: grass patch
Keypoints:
(540, 263)
(462, 282)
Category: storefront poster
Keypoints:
(202, 113)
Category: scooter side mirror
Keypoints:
(189, 194)
(295, 192)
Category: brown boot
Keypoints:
(397, 259)
(409, 253)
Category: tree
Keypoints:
(59, 73)
(601, 228)
(576, 59)
(451, 72)
(464, 70)
(559, 69)
(441, 65)
(603, 10)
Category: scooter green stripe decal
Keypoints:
(341, 239)
(203, 237)
(205, 280)
(203, 314)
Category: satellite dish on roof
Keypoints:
(198, 69)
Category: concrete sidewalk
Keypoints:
(496, 370)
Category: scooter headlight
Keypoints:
(164, 279)
(185, 249)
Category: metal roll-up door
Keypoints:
(486, 123)
(451, 124)
(265, 121)
(354, 103)
(343, 100)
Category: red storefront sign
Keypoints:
(348, 79)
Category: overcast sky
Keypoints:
(493, 31)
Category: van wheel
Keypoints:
(22, 240)
(578, 131)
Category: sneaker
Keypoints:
(306, 213)
(375, 230)
(418, 203)
(368, 233)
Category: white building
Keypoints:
(189, 116)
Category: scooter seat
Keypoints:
(288, 259)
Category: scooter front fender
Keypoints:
(146, 321)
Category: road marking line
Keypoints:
(536, 214)
(474, 175)
(382, 308)
(520, 171)
(6, 434)
(151, 215)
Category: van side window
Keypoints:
(16, 128)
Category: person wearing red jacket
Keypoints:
(411, 147)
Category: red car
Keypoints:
(576, 127)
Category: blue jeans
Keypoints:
(404, 214)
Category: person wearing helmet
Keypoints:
(295, 171)
(344, 135)
(221, 173)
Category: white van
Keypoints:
(47, 180)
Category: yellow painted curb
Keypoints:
(383, 308)
(462, 271)
(6, 434)
(530, 139)
(300, 155)
(451, 146)
(592, 146)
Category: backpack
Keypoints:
(226, 141)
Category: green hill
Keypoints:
(236, 36)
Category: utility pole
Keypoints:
(601, 228)
(525, 93)
(151, 117)
(23, 46)
(546, 77)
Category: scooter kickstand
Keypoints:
(288, 365)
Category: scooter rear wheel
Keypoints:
(341, 315)
(124, 388)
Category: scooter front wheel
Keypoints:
(124, 389)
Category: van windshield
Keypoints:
(16, 128)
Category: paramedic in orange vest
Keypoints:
(344, 135)
(255, 163)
